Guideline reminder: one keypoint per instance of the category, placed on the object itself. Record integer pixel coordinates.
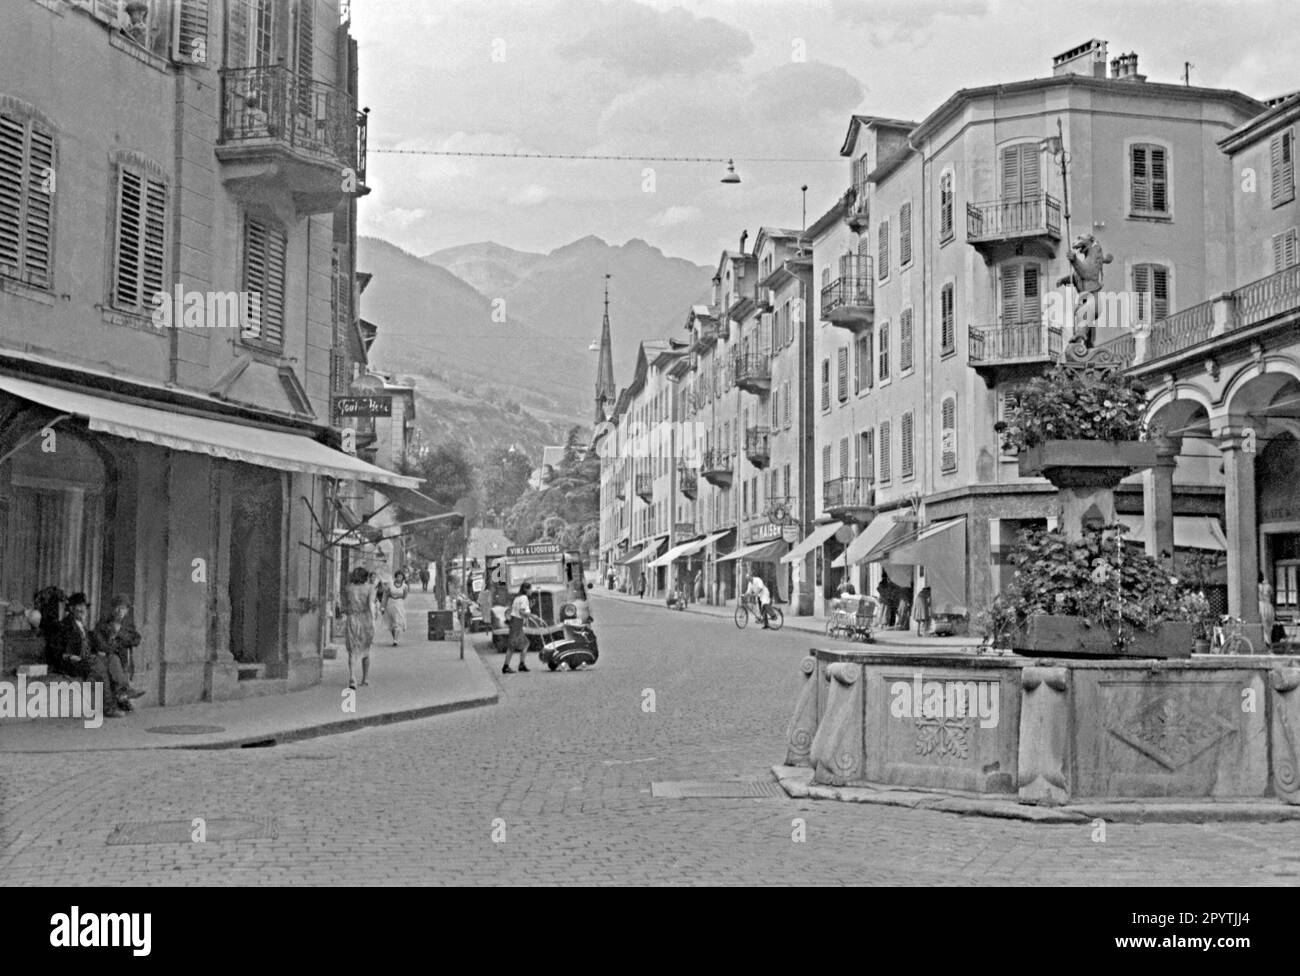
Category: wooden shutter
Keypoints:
(906, 433)
(945, 205)
(1284, 250)
(785, 482)
(826, 384)
(265, 251)
(1150, 179)
(948, 434)
(867, 456)
(1009, 293)
(776, 408)
(1281, 162)
(826, 463)
(785, 403)
(305, 55)
(883, 450)
(1140, 178)
(884, 351)
(905, 341)
(905, 235)
(1021, 178)
(842, 373)
(139, 251)
(26, 204)
(948, 332)
(882, 251)
(1031, 308)
(1151, 282)
(845, 471)
(190, 32)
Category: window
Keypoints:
(882, 251)
(1151, 282)
(883, 353)
(906, 432)
(845, 470)
(744, 487)
(947, 330)
(905, 341)
(1284, 250)
(885, 473)
(140, 213)
(1007, 403)
(945, 207)
(948, 434)
(826, 463)
(785, 404)
(1019, 294)
(27, 185)
(867, 455)
(842, 373)
(905, 235)
(862, 363)
(785, 482)
(305, 56)
(265, 252)
(826, 384)
(776, 408)
(1149, 180)
(1021, 172)
(1281, 164)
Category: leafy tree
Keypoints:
(503, 478)
(567, 508)
(448, 474)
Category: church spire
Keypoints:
(605, 391)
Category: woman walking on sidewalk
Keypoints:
(359, 633)
(518, 640)
(395, 611)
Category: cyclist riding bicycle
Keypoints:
(757, 590)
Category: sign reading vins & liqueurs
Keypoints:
(536, 549)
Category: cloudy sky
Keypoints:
(750, 79)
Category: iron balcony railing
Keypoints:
(1016, 341)
(751, 368)
(848, 492)
(645, 485)
(271, 103)
(716, 461)
(757, 446)
(688, 482)
(1039, 214)
(854, 288)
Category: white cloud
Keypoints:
(529, 196)
(674, 216)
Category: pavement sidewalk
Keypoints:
(812, 624)
(415, 680)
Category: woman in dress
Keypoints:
(359, 633)
(395, 611)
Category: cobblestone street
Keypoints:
(561, 771)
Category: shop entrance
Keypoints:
(256, 572)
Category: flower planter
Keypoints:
(1087, 464)
(1058, 635)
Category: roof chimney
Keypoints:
(744, 236)
(1087, 59)
(1125, 68)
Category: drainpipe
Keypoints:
(927, 408)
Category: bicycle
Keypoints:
(775, 617)
(1229, 639)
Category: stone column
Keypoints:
(1158, 498)
(1239, 514)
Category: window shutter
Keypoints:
(948, 435)
(882, 251)
(884, 351)
(945, 206)
(885, 473)
(1139, 179)
(785, 403)
(867, 460)
(37, 257)
(1009, 287)
(12, 166)
(1281, 161)
(139, 251)
(826, 463)
(842, 373)
(1284, 250)
(905, 341)
(1149, 179)
(305, 59)
(785, 479)
(265, 251)
(776, 408)
(905, 235)
(26, 208)
(844, 458)
(1011, 173)
(948, 332)
(190, 32)
(1151, 282)
(907, 444)
(1159, 180)
(1008, 404)
(826, 384)
(1030, 299)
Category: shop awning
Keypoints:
(413, 501)
(643, 553)
(874, 541)
(816, 538)
(943, 543)
(688, 548)
(226, 439)
(760, 552)
(1190, 532)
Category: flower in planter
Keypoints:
(1065, 404)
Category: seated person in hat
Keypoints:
(90, 657)
(128, 638)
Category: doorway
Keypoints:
(256, 572)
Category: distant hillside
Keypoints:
(560, 294)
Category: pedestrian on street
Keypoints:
(1267, 614)
(922, 611)
(424, 578)
(883, 591)
(520, 610)
(359, 632)
(395, 609)
(699, 586)
(640, 587)
(762, 596)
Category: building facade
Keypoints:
(176, 290)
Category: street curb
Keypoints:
(796, 781)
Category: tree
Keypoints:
(567, 508)
(448, 474)
(503, 478)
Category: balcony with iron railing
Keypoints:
(847, 496)
(849, 301)
(1012, 344)
(644, 486)
(758, 447)
(1016, 221)
(710, 331)
(688, 482)
(753, 372)
(1198, 330)
(717, 467)
(857, 213)
(279, 131)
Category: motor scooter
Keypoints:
(575, 649)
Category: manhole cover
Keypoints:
(216, 830)
(186, 729)
(700, 789)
